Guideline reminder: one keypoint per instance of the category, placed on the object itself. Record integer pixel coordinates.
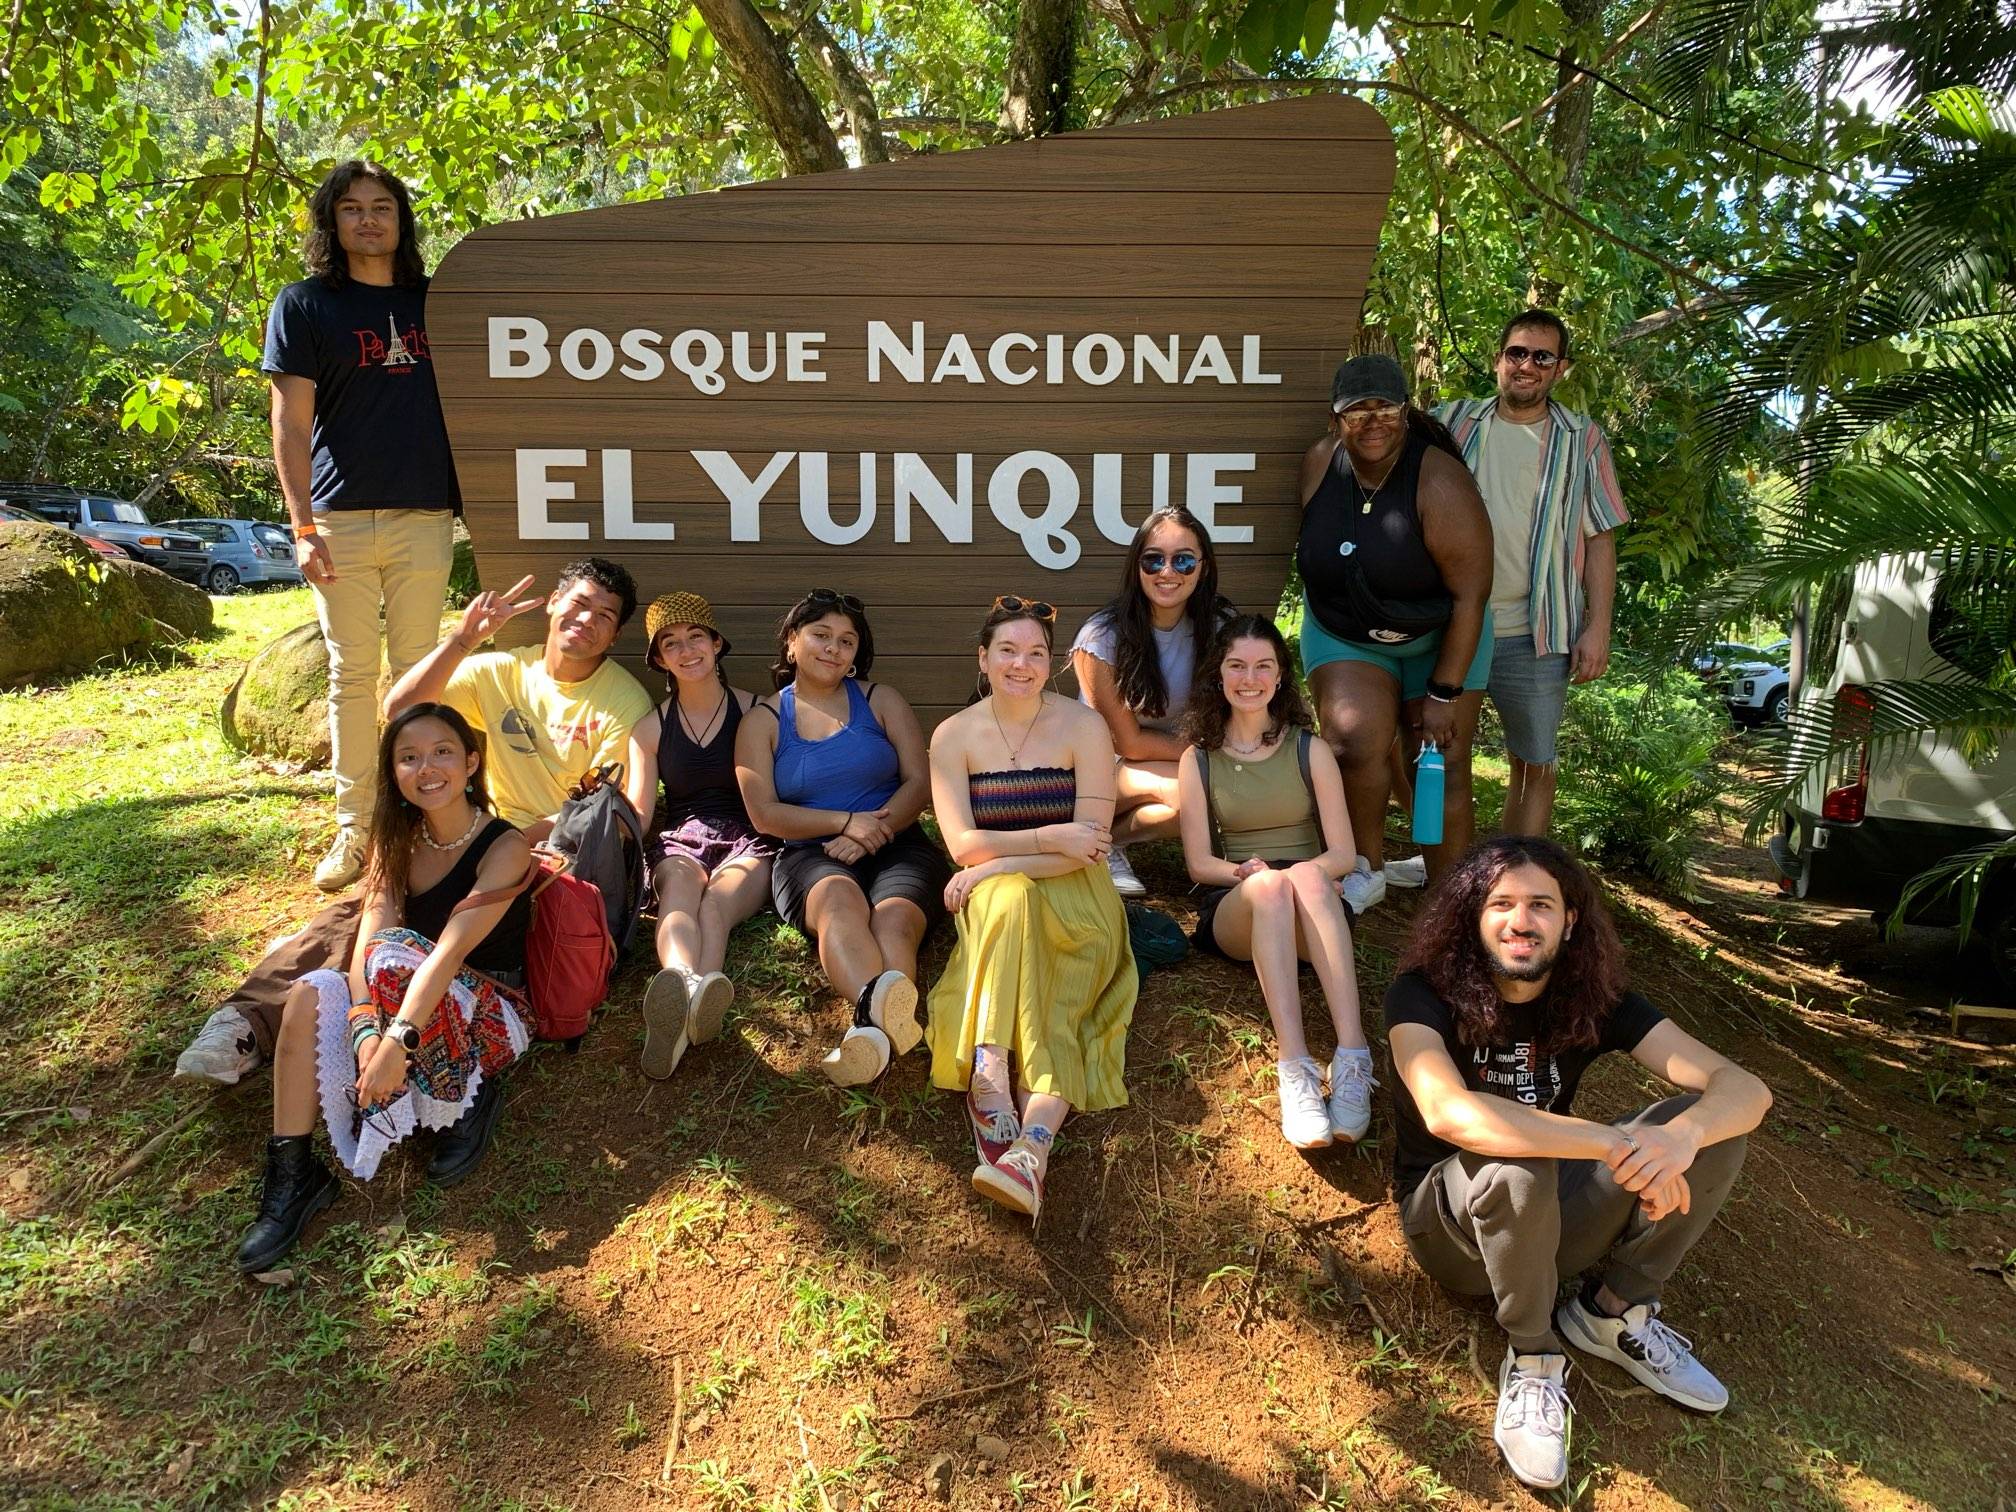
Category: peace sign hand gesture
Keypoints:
(490, 612)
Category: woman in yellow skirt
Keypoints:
(1030, 1019)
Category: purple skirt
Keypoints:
(712, 843)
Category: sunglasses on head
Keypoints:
(1542, 359)
(1184, 562)
(1034, 608)
(829, 596)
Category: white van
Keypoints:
(1857, 833)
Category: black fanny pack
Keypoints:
(1356, 613)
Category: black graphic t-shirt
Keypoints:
(379, 441)
(1513, 1068)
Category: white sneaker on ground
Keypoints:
(345, 862)
(1305, 1122)
(1351, 1084)
(668, 1017)
(1125, 882)
(1534, 1418)
(1408, 871)
(711, 995)
(224, 1050)
(890, 1004)
(859, 1058)
(1646, 1349)
(1363, 887)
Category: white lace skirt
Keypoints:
(360, 1145)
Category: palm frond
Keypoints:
(1701, 41)
(1964, 875)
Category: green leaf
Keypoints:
(64, 192)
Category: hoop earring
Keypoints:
(850, 669)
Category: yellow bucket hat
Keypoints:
(677, 609)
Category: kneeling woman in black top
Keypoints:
(419, 1031)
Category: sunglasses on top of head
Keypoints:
(829, 596)
(1183, 563)
(1035, 608)
(1541, 359)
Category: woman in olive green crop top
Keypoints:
(1265, 830)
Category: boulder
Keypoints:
(173, 605)
(280, 704)
(61, 607)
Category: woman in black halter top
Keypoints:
(710, 869)
(418, 1032)
(1395, 559)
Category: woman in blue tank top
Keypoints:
(836, 767)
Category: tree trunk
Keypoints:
(856, 98)
(1041, 68)
(1568, 131)
(762, 68)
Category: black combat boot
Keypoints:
(459, 1148)
(298, 1186)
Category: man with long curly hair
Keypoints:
(1512, 985)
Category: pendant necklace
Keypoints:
(475, 823)
(702, 739)
(1015, 752)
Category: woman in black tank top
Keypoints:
(1395, 559)
(710, 869)
(418, 1032)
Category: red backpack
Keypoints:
(569, 954)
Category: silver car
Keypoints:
(244, 551)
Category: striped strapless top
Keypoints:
(1023, 800)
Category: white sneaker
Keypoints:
(1125, 882)
(1408, 871)
(668, 1018)
(1305, 1122)
(345, 862)
(860, 1057)
(711, 995)
(890, 1004)
(224, 1050)
(1363, 887)
(1351, 1084)
(1534, 1418)
(1646, 1349)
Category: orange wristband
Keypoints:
(301, 532)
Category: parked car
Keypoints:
(124, 524)
(1856, 833)
(28, 517)
(1757, 692)
(243, 551)
(1711, 662)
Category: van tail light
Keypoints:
(1854, 715)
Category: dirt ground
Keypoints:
(800, 1287)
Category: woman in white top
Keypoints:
(1135, 659)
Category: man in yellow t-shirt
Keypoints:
(549, 714)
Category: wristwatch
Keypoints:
(1444, 692)
(406, 1034)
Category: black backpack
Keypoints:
(603, 840)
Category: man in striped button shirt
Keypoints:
(1551, 488)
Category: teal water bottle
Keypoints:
(1428, 796)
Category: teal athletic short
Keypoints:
(1409, 665)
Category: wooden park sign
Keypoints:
(924, 382)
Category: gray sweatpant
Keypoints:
(1512, 1229)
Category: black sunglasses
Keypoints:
(1542, 359)
(377, 1119)
(1185, 562)
(1034, 608)
(829, 596)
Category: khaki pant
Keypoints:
(397, 561)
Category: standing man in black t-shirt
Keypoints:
(1512, 985)
(364, 464)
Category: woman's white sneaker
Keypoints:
(1408, 871)
(1305, 1121)
(1535, 1419)
(1351, 1083)
(1645, 1349)
(1125, 882)
(1363, 887)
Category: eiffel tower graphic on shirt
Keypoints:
(396, 354)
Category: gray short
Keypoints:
(1529, 693)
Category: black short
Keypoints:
(908, 867)
(1206, 939)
